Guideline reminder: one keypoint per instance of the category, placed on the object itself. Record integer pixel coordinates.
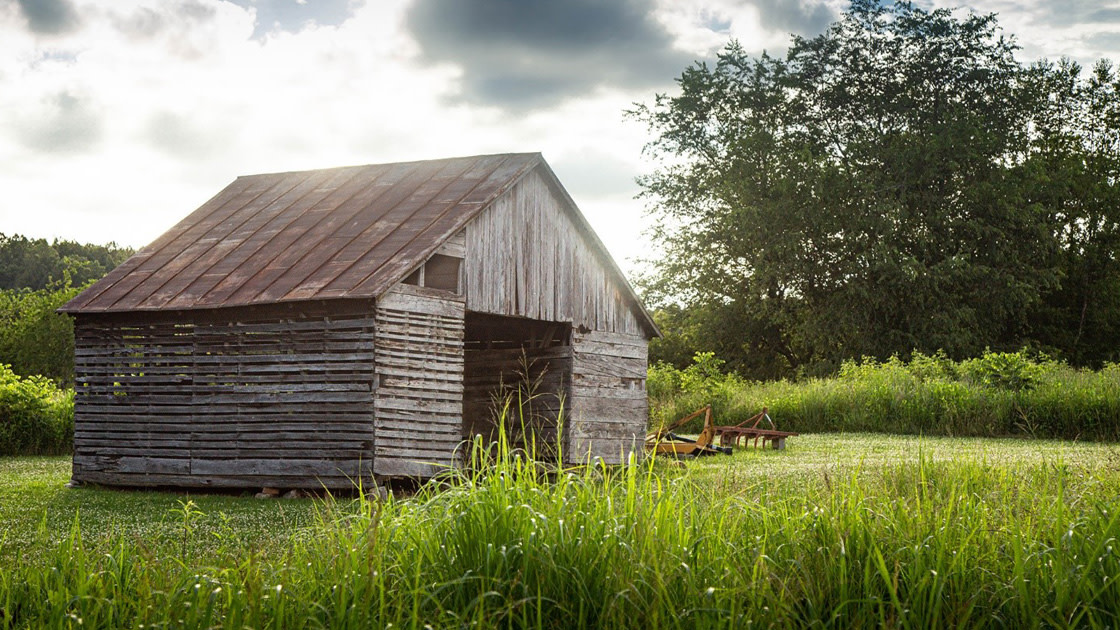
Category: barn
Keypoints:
(313, 328)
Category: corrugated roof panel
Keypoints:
(414, 208)
(130, 273)
(417, 240)
(305, 235)
(234, 235)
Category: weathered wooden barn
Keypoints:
(312, 328)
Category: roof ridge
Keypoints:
(479, 156)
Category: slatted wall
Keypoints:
(608, 408)
(234, 398)
(419, 397)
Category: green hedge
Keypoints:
(36, 417)
(996, 395)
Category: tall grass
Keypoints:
(642, 546)
(996, 395)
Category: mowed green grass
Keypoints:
(818, 455)
(37, 512)
(836, 531)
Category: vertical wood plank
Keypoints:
(526, 258)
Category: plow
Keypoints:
(664, 441)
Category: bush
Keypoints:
(994, 395)
(34, 339)
(36, 417)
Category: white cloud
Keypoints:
(183, 99)
(118, 127)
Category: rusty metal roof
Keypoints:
(306, 235)
(347, 232)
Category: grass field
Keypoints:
(843, 530)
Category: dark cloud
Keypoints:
(65, 124)
(521, 54)
(293, 16)
(49, 17)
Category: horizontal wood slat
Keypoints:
(419, 396)
(609, 407)
(204, 402)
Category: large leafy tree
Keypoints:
(874, 192)
(1075, 164)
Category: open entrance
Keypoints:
(515, 371)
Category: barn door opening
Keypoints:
(516, 371)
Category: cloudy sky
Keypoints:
(118, 117)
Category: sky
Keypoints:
(119, 117)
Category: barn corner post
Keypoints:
(317, 328)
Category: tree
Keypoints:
(1075, 163)
(34, 339)
(36, 264)
(36, 278)
(870, 194)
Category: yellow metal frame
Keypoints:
(664, 442)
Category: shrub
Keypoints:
(1003, 370)
(34, 339)
(36, 417)
(995, 395)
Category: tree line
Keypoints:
(38, 264)
(37, 277)
(898, 183)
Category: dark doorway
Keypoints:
(516, 371)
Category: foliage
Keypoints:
(36, 264)
(1074, 171)
(34, 339)
(36, 278)
(36, 418)
(873, 532)
(898, 182)
(1003, 370)
(995, 394)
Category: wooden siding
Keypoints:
(419, 398)
(526, 257)
(609, 409)
(196, 399)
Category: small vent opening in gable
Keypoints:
(442, 272)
